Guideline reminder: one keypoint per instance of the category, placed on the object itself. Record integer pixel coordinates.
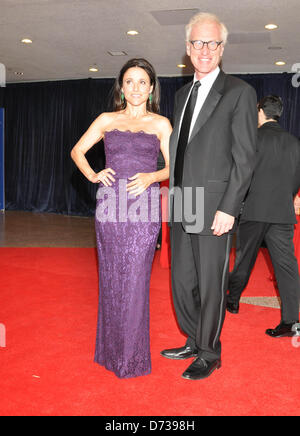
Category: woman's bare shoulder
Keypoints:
(106, 117)
(105, 120)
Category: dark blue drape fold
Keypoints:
(44, 120)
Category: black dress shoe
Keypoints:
(201, 369)
(185, 352)
(284, 331)
(233, 307)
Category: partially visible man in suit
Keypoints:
(212, 153)
(269, 215)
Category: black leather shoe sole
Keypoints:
(284, 331)
(201, 374)
(282, 335)
(177, 355)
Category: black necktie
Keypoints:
(184, 134)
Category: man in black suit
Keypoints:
(269, 215)
(212, 151)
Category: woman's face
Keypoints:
(136, 86)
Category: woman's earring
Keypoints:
(150, 98)
(122, 97)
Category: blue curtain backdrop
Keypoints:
(45, 120)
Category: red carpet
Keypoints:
(49, 308)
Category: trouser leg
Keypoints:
(184, 282)
(279, 241)
(250, 235)
(211, 254)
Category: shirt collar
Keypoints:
(209, 79)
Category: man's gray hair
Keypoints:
(205, 17)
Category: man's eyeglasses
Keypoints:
(211, 45)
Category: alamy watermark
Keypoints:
(296, 338)
(115, 204)
(2, 76)
(296, 76)
(2, 336)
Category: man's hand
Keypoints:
(297, 205)
(223, 223)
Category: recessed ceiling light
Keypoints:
(117, 53)
(94, 69)
(280, 63)
(19, 73)
(26, 41)
(132, 32)
(181, 66)
(271, 26)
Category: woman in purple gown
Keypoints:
(127, 215)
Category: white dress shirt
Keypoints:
(203, 91)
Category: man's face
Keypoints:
(204, 60)
(261, 117)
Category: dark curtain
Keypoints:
(45, 120)
(43, 123)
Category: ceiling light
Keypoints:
(19, 73)
(132, 32)
(117, 53)
(26, 41)
(93, 69)
(271, 26)
(280, 63)
(181, 66)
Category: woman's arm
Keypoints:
(166, 130)
(91, 137)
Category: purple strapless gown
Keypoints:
(127, 229)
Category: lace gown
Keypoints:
(126, 229)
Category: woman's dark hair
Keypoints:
(152, 106)
(272, 106)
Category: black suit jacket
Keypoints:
(220, 155)
(276, 178)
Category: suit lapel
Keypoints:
(210, 104)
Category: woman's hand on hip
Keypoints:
(140, 182)
(105, 177)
